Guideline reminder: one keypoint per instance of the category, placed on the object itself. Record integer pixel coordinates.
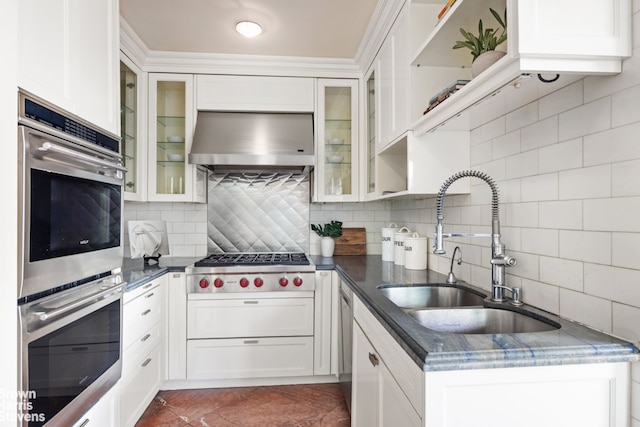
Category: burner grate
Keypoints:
(244, 259)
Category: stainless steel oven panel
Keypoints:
(44, 316)
(47, 151)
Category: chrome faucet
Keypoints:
(499, 260)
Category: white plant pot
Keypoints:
(485, 60)
(327, 246)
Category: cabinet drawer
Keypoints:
(140, 315)
(250, 318)
(131, 295)
(142, 346)
(249, 358)
(139, 388)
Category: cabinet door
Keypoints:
(395, 408)
(366, 382)
(171, 121)
(176, 327)
(68, 55)
(337, 144)
(369, 155)
(322, 335)
(133, 92)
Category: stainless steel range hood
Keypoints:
(249, 141)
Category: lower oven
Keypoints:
(70, 351)
(248, 322)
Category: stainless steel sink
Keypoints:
(480, 320)
(431, 295)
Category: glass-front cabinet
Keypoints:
(171, 121)
(369, 156)
(132, 129)
(336, 172)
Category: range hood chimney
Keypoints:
(250, 141)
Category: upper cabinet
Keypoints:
(254, 93)
(171, 122)
(133, 130)
(545, 38)
(336, 171)
(72, 58)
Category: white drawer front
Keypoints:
(250, 318)
(249, 358)
(135, 354)
(140, 315)
(139, 388)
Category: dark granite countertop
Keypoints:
(136, 273)
(434, 351)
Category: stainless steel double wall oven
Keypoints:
(70, 283)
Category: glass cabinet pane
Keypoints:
(371, 134)
(129, 126)
(337, 130)
(170, 135)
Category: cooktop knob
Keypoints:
(244, 282)
(283, 281)
(258, 282)
(203, 283)
(218, 282)
(297, 281)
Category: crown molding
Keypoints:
(379, 26)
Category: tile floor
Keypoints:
(311, 405)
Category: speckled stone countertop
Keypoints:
(136, 273)
(434, 351)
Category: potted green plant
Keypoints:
(328, 232)
(483, 45)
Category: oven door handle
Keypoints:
(49, 146)
(46, 315)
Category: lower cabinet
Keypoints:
(143, 367)
(377, 398)
(105, 413)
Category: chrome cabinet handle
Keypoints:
(147, 311)
(373, 359)
(150, 295)
(146, 337)
(250, 341)
(146, 362)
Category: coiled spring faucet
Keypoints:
(499, 260)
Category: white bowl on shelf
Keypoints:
(335, 159)
(175, 139)
(336, 141)
(176, 157)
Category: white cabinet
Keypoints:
(325, 325)
(254, 93)
(133, 129)
(263, 336)
(171, 121)
(369, 150)
(176, 332)
(384, 377)
(336, 172)
(543, 37)
(143, 366)
(105, 413)
(377, 398)
(393, 81)
(68, 55)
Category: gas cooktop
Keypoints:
(254, 259)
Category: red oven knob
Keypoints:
(297, 281)
(204, 283)
(218, 282)
(258, 282)
(283, 281)
(244, 282)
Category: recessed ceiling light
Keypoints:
(248, 29)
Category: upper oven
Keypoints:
(71, 199)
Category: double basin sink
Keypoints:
(460, 310)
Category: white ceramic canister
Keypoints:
(398, 245)
(387, 241)
(415, 252)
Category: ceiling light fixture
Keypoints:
(249, 29)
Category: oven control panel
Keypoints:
(250, 282)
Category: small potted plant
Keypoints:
(328, 232)
(483, 45)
